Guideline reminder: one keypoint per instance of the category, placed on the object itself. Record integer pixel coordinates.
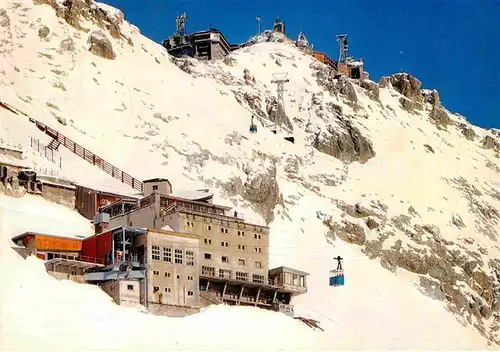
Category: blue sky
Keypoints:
(453, 46)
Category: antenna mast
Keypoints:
(280, 79)
(259, 20)
(344, 48)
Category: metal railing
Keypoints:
(81, 151)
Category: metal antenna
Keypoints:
(259, 20)
(343, 48)
(280, 79)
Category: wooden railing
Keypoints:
(83, 153)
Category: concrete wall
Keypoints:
(218, 52)
(59, 195)
(139, 218)
(244, 241)
(177, 283)
(11, 152)
(171, 311)
(63, 274)
(164, 187)
(129, 292)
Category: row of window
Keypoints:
(241, 247)
(168, 274)
(224, 230)
(228, 274)
(178, 255)
(222, 222)
(156, 289)
(241, 262)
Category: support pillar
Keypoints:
(224, 290)
(274, 297)
(257, 298)
(208, 285)
(241, 293)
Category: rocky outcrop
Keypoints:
(372, 88)
(43, 32)
(273, 112)
(467, 131)
(439, 116)
(260, 187)
(356, 211)
(432, 97)
(4, 18)
(348, 145)
(385, 82)
(408, 86)
(457, 221)
(74, 11)
(410, 105)
(67, 44)
(346, 231)
(249, 78)
(101, 46)
(346, 88)
(489, 142)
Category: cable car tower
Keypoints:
(280, 79)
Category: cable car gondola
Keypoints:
(337, 275)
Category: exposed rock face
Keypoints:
(249, 78)
(410, 105)
(260, 187)
(384, 82)
(433, 97)
(355, 211)
(349, 145)
(489, 142)
(347, 231)
(346, 88)
(4, 18)
(372, 88)
(467, 131)
(439, 116)
(272, 110)
(407, 85)
(67, 44)
(457, 221)
(229, 61)
(101, 46)
(43, 32)
(73, 11)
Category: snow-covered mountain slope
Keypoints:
(381, 173)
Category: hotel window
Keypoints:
(241, 247)
(156, 289)
(241, 262)
(190, 293)
(241, 276)
(167, 255)
(258, 265)
(224, 244)
(258, 279)
(178, 256)
(156, 252)
(156, 272)
(167, 274)
(130, 287)
(208, 241)
(222, 230)
(209, 227)
(225, 259)
(190, 258)
(167, 289)
(190, 278)
(208, 256)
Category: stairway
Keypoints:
(54, 144)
